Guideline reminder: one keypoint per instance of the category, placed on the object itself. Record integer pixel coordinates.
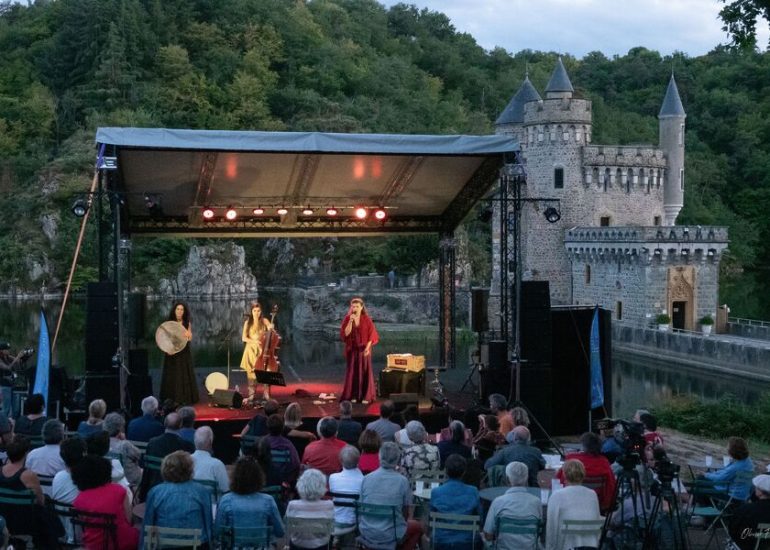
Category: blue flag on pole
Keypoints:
(43, 373)
(597, 383)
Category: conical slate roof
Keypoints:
(559, 80)
(514, 111)
(672, 104)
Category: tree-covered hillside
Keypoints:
(68, 66)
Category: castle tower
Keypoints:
(671, 141)
(511, 120)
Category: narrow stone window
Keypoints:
(681, 134)
(681, 178)
(619, 311)
(558, 178)
(656, 220)
(604, 221)
(588, 274)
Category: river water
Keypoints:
(636, 382)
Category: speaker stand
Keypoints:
(517, 402)
(475, 367)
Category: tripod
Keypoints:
(475, 367)
(628, 485)
(678, 539)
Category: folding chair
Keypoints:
(213, 488)
(65, 514)
(344, 500)
(317, 528)
(384, 511)
(583, 528)
(231, 538)
(82, 520)
(454, 522)
(719, 501)
(526, 529)
(156, 537)
(152, 462)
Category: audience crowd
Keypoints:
(372, 485)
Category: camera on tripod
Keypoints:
(630, 436)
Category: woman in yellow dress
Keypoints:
(253, 338)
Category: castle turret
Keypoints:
(511, 120)
(671, 141)
(559, 86)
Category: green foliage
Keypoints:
(706, 320)
(718, 419)
(663, 319)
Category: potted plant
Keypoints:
(663, 320)
(706, 324)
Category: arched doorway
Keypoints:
(681, 297)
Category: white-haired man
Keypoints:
(518, 503)
(148, 425)
(206, 466)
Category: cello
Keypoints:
(271, 341)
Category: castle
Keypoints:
(617, 243)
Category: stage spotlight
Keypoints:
(231, 213)
(282, 211)
(152, 202)
(552, 215)
(208, 213)
(80, 207)
(361, 213)
(258, 211)
(307, 211)
(331, 211)
(380, 214)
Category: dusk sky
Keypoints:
(581, 26)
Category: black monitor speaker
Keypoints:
(479, 309)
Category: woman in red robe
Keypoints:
(359, 335)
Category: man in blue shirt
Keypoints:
(519, 451)
(146, 426)
(455, 497)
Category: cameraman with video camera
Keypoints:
(7, 364)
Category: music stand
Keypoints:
(269, 378)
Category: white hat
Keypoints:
(762, 482)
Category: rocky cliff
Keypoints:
(212, 271)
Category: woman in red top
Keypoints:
(359, 335)
(369, 443)
(93, 476)
(596, 466)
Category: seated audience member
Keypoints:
(63, 489)
(179, 501)
(455, 497)
(596, 466)
(517, 503)
(489, 438)
(446, 433)
(651, 435)
(99, 445)
(31, 424)
(519, 451)
(499, 407)
(257, 426)
(572, 502)
(122, 449)
(348, 481)
(383, 425)
(401, 437)
(745, 518)
(46, 460)
(205, 466)
(614, 443)
(244, 505)
(370, 444)
(96, 411)
(148, 425)
(92, 476)
(187, 416)
(311, 487)
(421, 456)
(285, 471)
(348, 430)
(519, 417)
(163, 445)
(387, 486)
(6, 428)
(324, 454)
(292, 421)
(455, 444)
(738, 450)
(21, 520)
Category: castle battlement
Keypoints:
(624, 155)
(647, 245)
(567, 110)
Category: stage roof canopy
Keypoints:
(425, 183)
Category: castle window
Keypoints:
(681, 178)
(565, 135)
(553, 133)
(656, 220)
(558, 178)
(604, 221)
(681, 134)
(539, 135)
(578, 135)
(588, 274)
(619, 311)
(588, 137)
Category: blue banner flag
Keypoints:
(597, 382)
(43, 373)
